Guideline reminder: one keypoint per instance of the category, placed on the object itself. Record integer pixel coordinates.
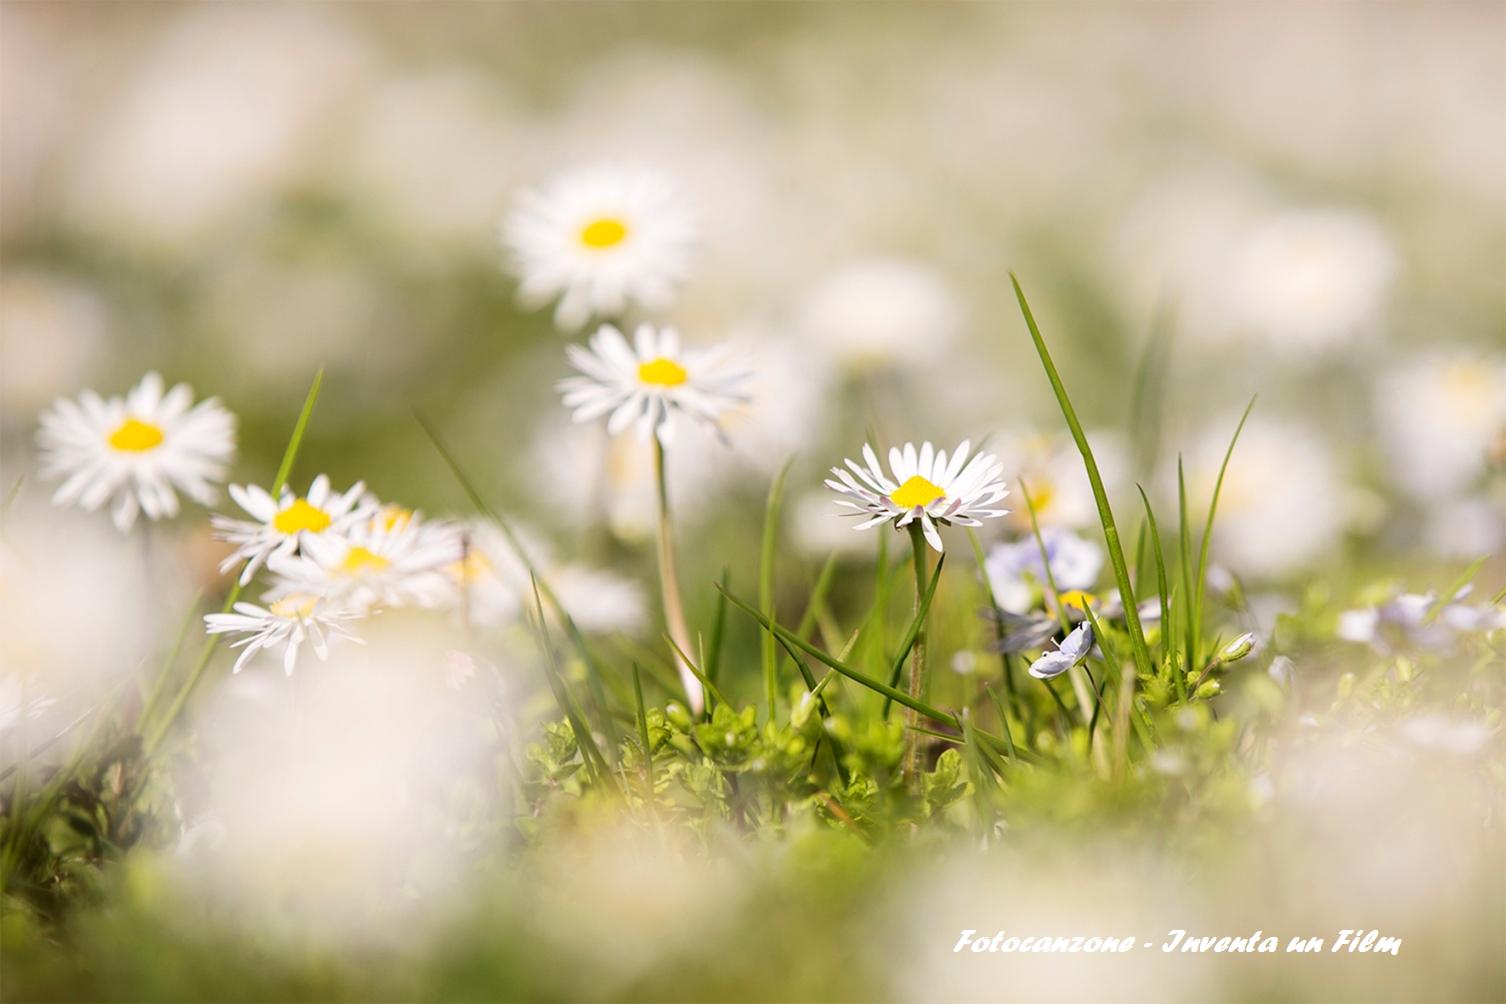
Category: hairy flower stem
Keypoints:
(917, 659)
(669, 586)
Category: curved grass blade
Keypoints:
(766, 583)
(155, 734)
(1100, 496)
(1218, 485)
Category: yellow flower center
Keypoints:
(1077, 598)
(603, 233)
(916, 491)
(301, 516)
(391, 517)
(136, 436)
(294, 606)
(472, 569)
(358, 559)
(1041, 495)
(662, 372)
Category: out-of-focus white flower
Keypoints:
(495, 588)
(1466, 528)
(1409, 620)
(372, 566)
(599, 601)
(1051, 467)
(927, 485)
(138, 451)
(222, 111)
(51, 328)
(280, 526)
(287, 623)
(1309, 279)
(1440, 413)
(1282, 501)
(649, 383)
(881, 312)
(324, 796)
(603, 240)
(1447, 733)
(1016, 571)
(1070, 651)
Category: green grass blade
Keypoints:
(718, 629)
(154, 734)
(642, 714)
(1463, 580)
(1155, 543)
(1100, 496)
(596, 764)
(696, 671)
(1202, 559)
(1189, 616)
(595, 672)
(766, 584)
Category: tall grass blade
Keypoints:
(1100, 496)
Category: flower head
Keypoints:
(649, 383)
(1070, 651)
(280, 526)
(373, 566)
(601, 240)
(926, 485)
(287, 622)
(138, 451)
(1017, 572)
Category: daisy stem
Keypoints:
(669, 586)
(917, 656)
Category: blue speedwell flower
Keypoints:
(1070, 651)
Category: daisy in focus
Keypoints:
(280, 526)
(136, 452)
(287, 623)
(926, 485)
(649, 383)
(602, 240)
(373, 566)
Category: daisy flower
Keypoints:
(137, 451)
(602, 240)
(649, 383)
(288, 621)
(372, 567)
(281, 525)
(926, 485)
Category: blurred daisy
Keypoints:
(137, 451)
(281, 525)
(650, 382)
(601, 240)
(1441, 413)
(1307, 279)
(933, 487)
(1283, 501)
(286, 622)
(881, 312)
(1051, 467)
(1016, 571)
(371, 567)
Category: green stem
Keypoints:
(917, 656)
(669, 587)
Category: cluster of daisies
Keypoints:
(603, 242)
(327, 557)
